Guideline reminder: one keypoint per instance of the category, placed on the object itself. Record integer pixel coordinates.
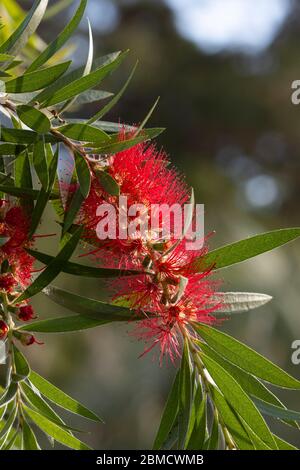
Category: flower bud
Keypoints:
(3, 329)
(27, 339)
(26, 313)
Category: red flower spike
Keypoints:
(15, 225)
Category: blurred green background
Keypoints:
(223, 71)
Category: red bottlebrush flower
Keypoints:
(26, 313)
(15, 226)
(169, 289)
(7, 282)
(144, 177)
(3, 330)
(167, 309)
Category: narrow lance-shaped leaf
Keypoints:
(73, 209)
(114, 100)
(169, 416)
(238, 302)
(27, 27)
(108, 183)
(83, 174)
(238, 400)
(275, 411)
(245, 249)
(9, 394)
(83, 133)
(72, 76)
(147, 117)
(83, 83)
(86, 71)
(53, 430)
(77, 269)
(61, 39)
(21, 364)
(29, 441)
(40, 163)
(246, 358)
(185, 395)
(60, 398)
(248, 382)
(36, 80)
(34, 119)
(44, 194)
(53, 269)
(91, 307)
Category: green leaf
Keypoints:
(245, 249)
(198, 432)
(90, 96)
(185, 397)
(276, 411)
(86, 71)
(238, 302)
(238, 399)
(108, 183)
(112, 126)
(11, 149)
(72, 76)
(256, 441)
(248, 382)
(61, 39)
(83, 174)
(6, 57)
(23, 137)
(34, 119)
(68, 324)
(40, 163)
(60, 398)
(36, 80)
(283, 445)
(83, 133)
(246, 358)
(44, 194)
(21, 364)
(27, 27)
(121, 145)
(114, 100)
(27, 193)
(53, 430)
(77, 269)
(9, 423)
(147, 117)
(70, 214)
(231, 421)
(213, 441)
(36, 400)
(94, 309)
(53, 269)
(11, 442)
(23, 179)
(169, 416)
(9, 394)
(84, 83)
(29, 441)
